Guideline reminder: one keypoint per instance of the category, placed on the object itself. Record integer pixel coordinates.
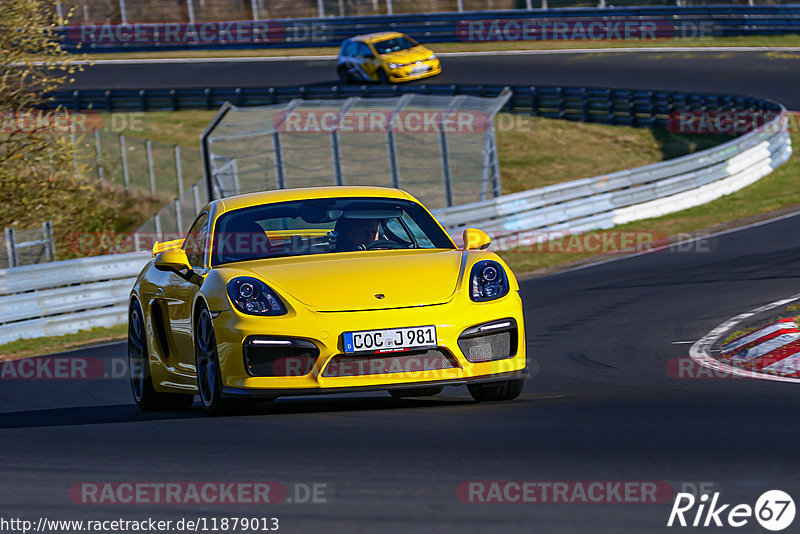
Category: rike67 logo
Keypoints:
(774, 510)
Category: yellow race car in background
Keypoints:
(322, 290)
(385, 57)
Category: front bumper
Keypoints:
(406, 74)
(324, 330)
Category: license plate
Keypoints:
(420, 68)
(390, 339)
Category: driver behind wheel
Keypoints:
(355, 233)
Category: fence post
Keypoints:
(321, 8)
(75, 165)
(59, 10)
(460, 4)
(280, 177)
(390, 142)
(544, 4)
(157, 220)
(178, 216)
(448, 184)
(124, 152)
(389, 7)
(98, 155)
(123, 12)
(50, 247)
(254, 7)
(337, 157)
(178, 170)
(190, 7)
(150, 170)
(11, 248)
(196, 197)
(528, 4)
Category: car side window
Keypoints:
(363, 50)
(349, 48)
(195, 243)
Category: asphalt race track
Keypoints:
(768, 74)
(601, 407)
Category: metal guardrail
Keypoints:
(726, 20)
(52, 299)
(604, 201)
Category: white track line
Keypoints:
(699, 352)
(449, 54)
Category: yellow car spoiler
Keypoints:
(166, 245)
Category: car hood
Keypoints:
(350, 281)
(410, 55)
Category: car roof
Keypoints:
(377, 36)
(285, 195)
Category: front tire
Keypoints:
(209, 379)
(344, 75)
(383, 79)
(144, 394)
(496, 391)
(428, 391)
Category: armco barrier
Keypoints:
(677, 22)
(52, 299)
(651, 191)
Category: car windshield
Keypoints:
(324, 226)
(393, 45)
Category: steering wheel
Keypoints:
(380, 244)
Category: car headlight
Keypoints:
(395, 65)
(488, 281)
(254, 297)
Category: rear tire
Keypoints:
(209, 379)
(144, 394)
(428, 391)
(496, 391)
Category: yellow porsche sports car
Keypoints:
(322, 290)
(385, 57)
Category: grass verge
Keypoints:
(26, 348)
(756, 40)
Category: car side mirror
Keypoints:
(173, 260)
(369, 55)
(475, 239)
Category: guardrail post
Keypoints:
(150, 169)
(178, 170)
(124, 153)
(50, 247)
(98, 155)
(11, 248)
